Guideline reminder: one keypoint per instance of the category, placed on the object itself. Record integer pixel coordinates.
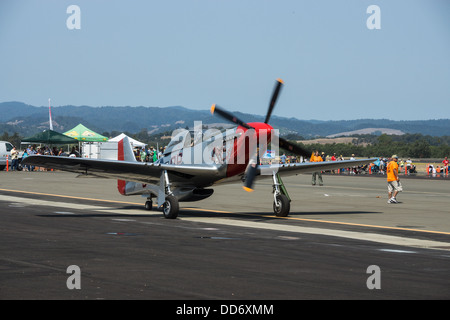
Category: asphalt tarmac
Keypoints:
(340, 241)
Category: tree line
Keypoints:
(407, 145)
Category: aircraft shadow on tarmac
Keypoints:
(267, 215)
(97, 215)
(313, 213)
(76, 213)
(193, 212)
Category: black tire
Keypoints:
(148, 205)
(171, 208)
(282, 206)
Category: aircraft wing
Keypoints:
(309, 167)
(125, 170)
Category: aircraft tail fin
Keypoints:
(124, 153)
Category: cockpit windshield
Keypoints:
(180, 139)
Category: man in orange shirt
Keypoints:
(316, 158)
(393, 181)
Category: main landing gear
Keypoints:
(281, 200)
(170, 206)
(166, 199)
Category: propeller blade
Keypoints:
(251, 171)
(275, 93)
(250, 177)
(215, 109)
(293, 148)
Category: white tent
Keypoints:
(134, 143)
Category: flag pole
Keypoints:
(50, 115)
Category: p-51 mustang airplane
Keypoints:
(187, 168)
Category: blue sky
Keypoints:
(194, 53)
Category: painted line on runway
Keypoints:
(362, 225)
(131, 211)
(375, 189)
(102, 200)
(397, 251)
(364, 236)
(65, 196)
(46, 203)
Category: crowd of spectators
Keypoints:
(150, 154)
(379, 166)
(17, 156)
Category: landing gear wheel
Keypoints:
(148, 205)
(170, 207)
(281, 206)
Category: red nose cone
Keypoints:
(261, 127)
(263, 132)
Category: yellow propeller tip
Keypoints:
(247, 189)
(280, 81)
(213, 107)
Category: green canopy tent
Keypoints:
(83, 134)
(49, 137)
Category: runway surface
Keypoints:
(227, 247)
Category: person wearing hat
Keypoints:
(394, 186)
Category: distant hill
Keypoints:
(375, 131)
(28, 120)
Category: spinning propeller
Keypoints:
(253, 164)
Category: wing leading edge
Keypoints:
(309, 167)
(196, 175)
